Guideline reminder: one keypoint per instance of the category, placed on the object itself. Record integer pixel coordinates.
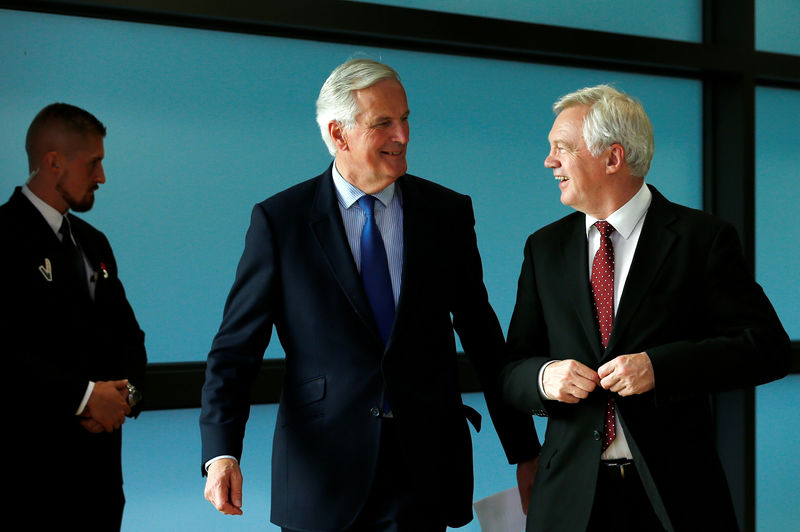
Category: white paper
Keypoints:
(501, 512)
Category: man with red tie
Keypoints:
(629, 313)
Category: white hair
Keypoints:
(614, 118)
(336, 102)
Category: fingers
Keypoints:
(107, 405)
(569, 381)
(224, 486)
(91, 425)
(628, 374)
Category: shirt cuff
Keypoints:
(220, 457)
(86, 395)
(541, 381)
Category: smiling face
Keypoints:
(81, 173)
(372, 154)
(582, 177)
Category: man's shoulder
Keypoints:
(429, 188)
(299, 194)
(15, 218)
(556, 230)
(693, 220)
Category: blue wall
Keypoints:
(204, 124)
(777, 261)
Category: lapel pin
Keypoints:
(103, 271)
(47, 270)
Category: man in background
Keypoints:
(73, 351)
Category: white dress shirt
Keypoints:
(627, 222)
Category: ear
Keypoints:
(337, 133)
(616, 159)
(51, 163)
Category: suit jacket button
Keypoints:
(376, 412)
(596, 435)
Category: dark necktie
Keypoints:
(73, 252)
(603, 294)
(375, 270)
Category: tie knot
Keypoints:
(367, 203)
(604, 227)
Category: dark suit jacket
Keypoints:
(298, 273)
(691, 303)
(55, 339)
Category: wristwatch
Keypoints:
(134, 395)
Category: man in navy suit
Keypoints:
(629, 313)
(72, 348)
(371, 431)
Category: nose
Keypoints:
(550, 161)
(402, 132)
(101, 174)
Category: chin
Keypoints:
(82, 206)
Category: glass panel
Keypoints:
(665, 19)
(777, 260)
(777, 464)
(777, 24)
(777, 196)
(202, 125)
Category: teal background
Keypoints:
(204, 124)
(777, 23)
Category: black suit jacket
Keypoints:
(298, 273)
(55, 339)
(691, 303)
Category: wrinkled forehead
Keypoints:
(568, 125)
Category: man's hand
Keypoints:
(224, 486)
(569, 381)
(91, 425)
(628, 374)
(107, 406)
(526, 473)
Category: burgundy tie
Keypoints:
(603, 294)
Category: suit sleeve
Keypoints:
(743, 342)
(238, 348)
(128, 336)
(482, 338)
(526, 344)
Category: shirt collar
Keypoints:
(348, 194)
(625, 218)
(51, 215)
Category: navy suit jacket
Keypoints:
(298, 274)
(55, 339)
(691, 303)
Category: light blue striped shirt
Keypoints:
(388, 215)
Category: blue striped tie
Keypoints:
(375, 270)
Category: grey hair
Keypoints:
(336, 102)
(614, 118)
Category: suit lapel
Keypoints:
(655, 243)
(576, 260)
(326, 225)
(415, 222)
(41, 242)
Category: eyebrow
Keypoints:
(380, 119)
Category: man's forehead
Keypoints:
(568, 122)
(385, 97)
